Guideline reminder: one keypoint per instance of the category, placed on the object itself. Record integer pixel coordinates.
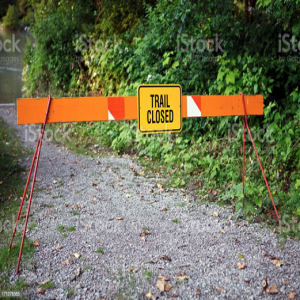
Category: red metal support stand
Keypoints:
(36, 157)
(245, 122)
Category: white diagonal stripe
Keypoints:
(110, 116)
(192, 108)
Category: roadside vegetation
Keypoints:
(11, 189)
(208, 47)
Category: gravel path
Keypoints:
(107, 206)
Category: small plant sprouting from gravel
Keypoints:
(148, 275)
(100, 250)
(182, 204)
(64, 235)
(70, 292)
(72, 228)
(62, 229)
(176, 221)
(48, 285)
(145, 228)
(87, 267)
(32, 226)
(75, 213)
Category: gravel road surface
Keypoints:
(90, 214)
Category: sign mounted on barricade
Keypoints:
(160, 108)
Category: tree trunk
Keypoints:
(246, 11)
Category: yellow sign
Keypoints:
(159, 108)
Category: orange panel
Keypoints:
(131, 108)
(32, 111)
(218, 106)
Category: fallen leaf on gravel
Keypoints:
(240, 255)
(78, 272)
(128, 195)
(104, 169)
(219, 289)
(151, 262)
(291, 295)
(77, 255)
(160, 285)
(67, 262)
(150, 192)
(274, 230)
(273, 289)
(119, 218)
(42, 282)
(168, 287)
(222, 231)
(277, 262)
(55, 182)
(142, 173)
(272, 256)
(265, 286)
(41, 291)
(94, 184)
(165, 257)
(215, 214)
(143, 235)
(133, 270)
(198, 292)
(23, 216)
(285, 282)
(160, 267)
(242, 265)
(172, 296)
(149, 295)
(163, 277)
(181, 275)
(38, 180)
(35, 244)
(58, 246)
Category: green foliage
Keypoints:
(11, 20)
(208, 48)
(100, 250)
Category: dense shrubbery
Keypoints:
(11, 19)
(149, 45)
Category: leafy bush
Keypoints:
(11, 20)
(159, 45)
